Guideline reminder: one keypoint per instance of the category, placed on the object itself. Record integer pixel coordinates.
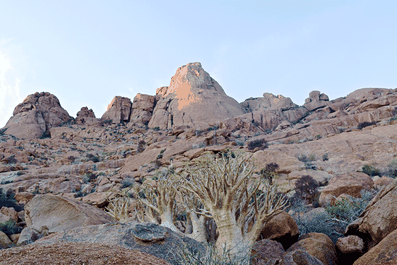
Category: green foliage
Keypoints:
(334, 219)
(141, 146)
(7, 200)
(156, 128)
(89, 177)
(325, 157)
(10, 227)
(127, 182)
(371, 170)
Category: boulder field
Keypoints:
(60, 174)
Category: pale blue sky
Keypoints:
(87, 52)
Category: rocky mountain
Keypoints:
(346, 145)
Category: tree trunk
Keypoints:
(199, 232)
(230, 236)
(167, 221)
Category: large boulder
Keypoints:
(384, 253)
(36, 115)
(317, 245)
(193, 98)
(119, 110)
(349, 184)
(267, 251)
(268, 101)
(281, 228)
(86, 116)
(350, 248)
(379, 218)
(150, 238)
(5, 241)
(316, 100)
(58, 213)
(142, 108)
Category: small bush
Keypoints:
(260, 143)
(89, 177)
(391, 170)
(269, 171)
(325, 157)
(127, 182)
(156, 129)
(2, 131)
(10, 160)
(10, 227)
(141, 146)
(306, 188)
(7, 200)
(364, 124)
(370, 170)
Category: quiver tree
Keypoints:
(158, 200)
(119, 205)
(233, 198)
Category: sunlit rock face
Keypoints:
(38, 113)
(193, 98)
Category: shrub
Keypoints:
(141, 146)
(127, 182)
(364, 124)
(306, 188)
(2, 131)
(89, 177)
(7, 200)
(260, 143)
(10, 227)
(156, 128)
(10, 160)
(370, 170)
(325, 157)
(391, 170)
(269, 171)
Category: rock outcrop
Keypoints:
(86, 116)
(379, 218)
(119, 110)
(58, 213)
(316, 100)
(142, 109)
(193, 98)
(36, 115)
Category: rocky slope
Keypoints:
(44, 150)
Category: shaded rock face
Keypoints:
(268, 252)
(379, 219)
(119, 110)
(193, 98)
(349, 249)
(384, 253)
(281, 228)
(86, 116)
(38, 113)
(58, 213)
(149, 238)
(142, 109)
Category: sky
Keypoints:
(86, 52)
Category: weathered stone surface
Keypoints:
(350, 249)
(37, 114)
(5, 242)
(318, 245)
(268, 251)
(123, 235)
(316, 100)
(379, 218)
(384, 253)
(59, 213)
(27, 236)
(87, 116)
(299, 257)
(193, 98)
(76, 253)
(23, 197)
(267, 101)
(10, 212)
(349, 184)
(119, 110)
(142, 109)
(281, 228)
